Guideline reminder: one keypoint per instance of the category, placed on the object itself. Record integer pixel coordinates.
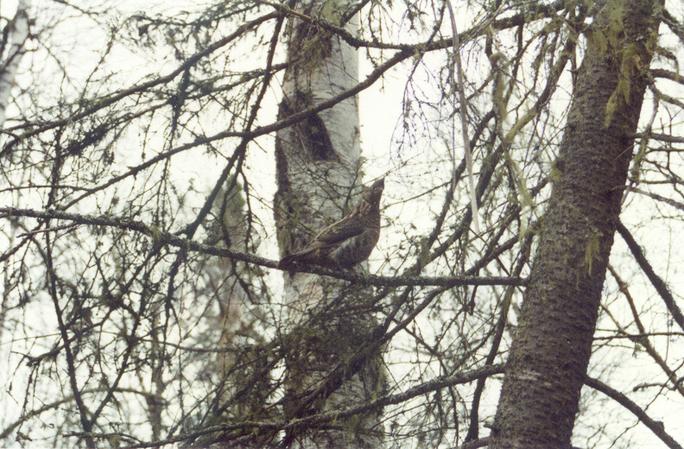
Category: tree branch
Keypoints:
(166, 238)
(656, 427)
(656, 280)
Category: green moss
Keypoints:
(635, 171)
(332, 10)
(598, 41)
(592, 251)
(555, 173)
(155, 233)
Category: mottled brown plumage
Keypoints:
(348, 241)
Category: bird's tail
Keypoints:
(287, 261)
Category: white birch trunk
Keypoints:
(238, 367)
(318, 170)
(230, 224)
(17, 33)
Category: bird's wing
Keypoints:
(344, 229)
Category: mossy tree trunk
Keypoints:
(552, 344)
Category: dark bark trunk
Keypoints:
(552, 344)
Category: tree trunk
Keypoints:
(15, 35)
(318, 175)
(552, 343)
(241, 370)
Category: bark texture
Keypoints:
(241, 370)
(552, 344)
(319, 178)
(14, 39)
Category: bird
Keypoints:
(348, 241)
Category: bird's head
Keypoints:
(374, 192)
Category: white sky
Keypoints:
(380, 112)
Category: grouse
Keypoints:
(348, 241)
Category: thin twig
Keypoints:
(464, 125)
